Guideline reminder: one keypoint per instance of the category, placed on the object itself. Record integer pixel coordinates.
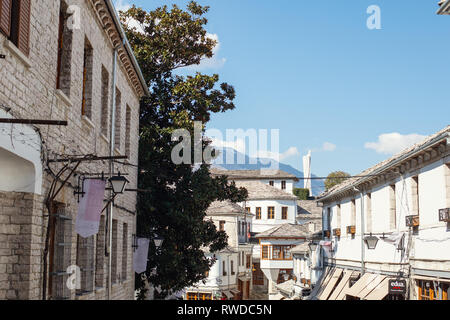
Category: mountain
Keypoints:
(247, 163)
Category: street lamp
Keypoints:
(118, 183)
(158, 241)
(371, 242)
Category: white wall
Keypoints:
(264, 224)
(277, 184)
(433, 239)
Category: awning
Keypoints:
(323, 284)
(380, 292)
(228, 294)
(343, 283)
(331, 284)
(278, 296)
(371, 286)
(361, 284)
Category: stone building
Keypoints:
(391, 223)
(65, 61)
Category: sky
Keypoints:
(314, 70)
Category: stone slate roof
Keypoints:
(309, 209)
(226, 208)
(293, 231)
(385, 164)
(264, 174)
(286, 287)
(301, 248)
(261, 191)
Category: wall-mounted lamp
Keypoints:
(158, 241)
(371, 242)
(118, 183)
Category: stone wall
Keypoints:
(28, 87)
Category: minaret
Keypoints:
(307, 172)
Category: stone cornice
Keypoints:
(113, 33)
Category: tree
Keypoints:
(302, 194)
(335, 178)
(177, 196)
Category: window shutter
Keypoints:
(24, 26)
(5, 17)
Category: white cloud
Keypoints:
(329, 147)
(211, 63)
(392, 143)
(122, 5)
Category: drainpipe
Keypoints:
(363, 231)
(111, 168)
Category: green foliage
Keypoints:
(302, 194)
(335, 178)
(178, 196)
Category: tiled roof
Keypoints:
(309, 209)
(261, 191)
(225, 208)
(264, 174)
(387, 163)
(294, 231)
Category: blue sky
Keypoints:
(315, 71)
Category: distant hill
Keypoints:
(261, 163)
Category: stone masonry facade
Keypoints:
(28, 90)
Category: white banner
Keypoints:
(140, 257)
(90, 207)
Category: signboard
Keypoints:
(444, 215)
(397, 287)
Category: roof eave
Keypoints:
(113, 12)
(444, 9)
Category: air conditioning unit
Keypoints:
(412, 221)
(337, 232)
(351, 230)
(444, 215)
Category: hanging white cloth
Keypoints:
(140, 256)
(395, 239)
(90, 207)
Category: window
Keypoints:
(339, 223)
(258, 213)
(118, 119)
(85, 260)
(243, 254)
(207, 274)
(415, 194)
(431, 290)
(100, 254)
(198, 296)
(393, 207)
(86, 104)
(247, 209)
(283, 185)
(369, 212)
(15, 22)
(128, 131)
(271, 183)
(222, 226)
(287, 253)
(64, 63)
(249, 261)
(353, 220)
(232, 268)
(271, 213)
(113, 252)
(284, 213)
(265, 252)
(276, 253)
(125, 252)
(104, 124)
(224, 270)
(61, 246)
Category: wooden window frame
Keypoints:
(283, 185)
(270, 213)
(265, 255)
(19, 24)
(271, 183)
(222, 225)
(258, 213)
(284, 213)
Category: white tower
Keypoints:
(307, 172)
